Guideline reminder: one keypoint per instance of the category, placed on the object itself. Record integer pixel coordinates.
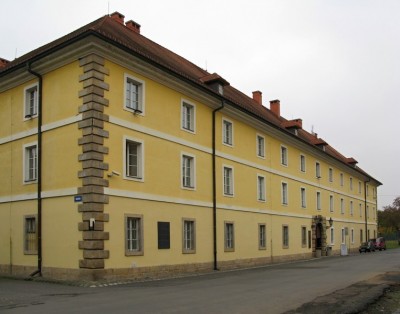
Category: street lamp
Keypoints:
(330, 222)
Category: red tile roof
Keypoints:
(112, 30)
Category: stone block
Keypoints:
(87, 139)
(94, 254)
(91, 156)
(95, 98)
(91, 90)
(90, 59)
(91, 106)
(91, 245)
(95, 198)
(98, 216)
(95, 235)
(91, 172)
(91, 263)
(95, 131)
(91, 74)
(91, 207)
(95, 164)
(97, 83)
(91, 189)
(96, 67)
(92, 147)
(95, 181)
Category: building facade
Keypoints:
(121, 159)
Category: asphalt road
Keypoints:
(271, 289)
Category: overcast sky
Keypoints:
(333, 63)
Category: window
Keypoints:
(342, 206)
(351, 208)
(229, 237)
(341, 179)
(31, 101)
(361, 236)
(360, 209)
(303, 236)
(331, 203)
(284, 193)
(302, 163)
(228, 181)
(133, 159)
(163, 231)
(134, 94)
(30, 163)
(188, 172)
(351, 184)
(260, 146)
(284, 157)
(261, 188)
(367, 189)
(227, 129)
(318, 200)
(189, 239)
(262, 237)
(30, 235)
(303, 197)
(343, 235)
(330, 175)
(359, 187)
(134, 235)
(317, 170)
(332, 236)
(188, 117)
(285, 236)
(352, 235)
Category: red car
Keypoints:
(380, 244)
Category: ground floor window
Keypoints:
(303, 236)
(134, 235)
(189, 236)
(285, 236)
(30, 235)
(229, 237)
(262, 237)
(332, 236)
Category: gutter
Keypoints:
(365, 208)
(39, 169)
(214, 185)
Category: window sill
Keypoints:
(134, 253)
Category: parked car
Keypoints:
(367, 247)
(380, 244)
(373, 240)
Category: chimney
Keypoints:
(275, 107)
(132, 25)
(118, 17)
(257, 97)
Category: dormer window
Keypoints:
(220, 89)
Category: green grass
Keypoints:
(392, 244)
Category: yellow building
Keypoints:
(122, 159)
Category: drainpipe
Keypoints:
(365, 207)
(39, 180)
(214, 185)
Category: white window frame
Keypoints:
(332, 234)
(343, 236)
(188, 122)
(27, 178)
(330, 174)
(140, 158)
(260, 146)
(284, 193)
(261, 188)
(192, 160)
(231, 191)
(27, 113)
(229, 236)
(317, 170)
(226, 140)
(302, 163)
(331, 203)
(318, 200)
(188, 236)
(262, 236)
(140, 108)
(139, 236)
(284, 156)
(303, 197)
